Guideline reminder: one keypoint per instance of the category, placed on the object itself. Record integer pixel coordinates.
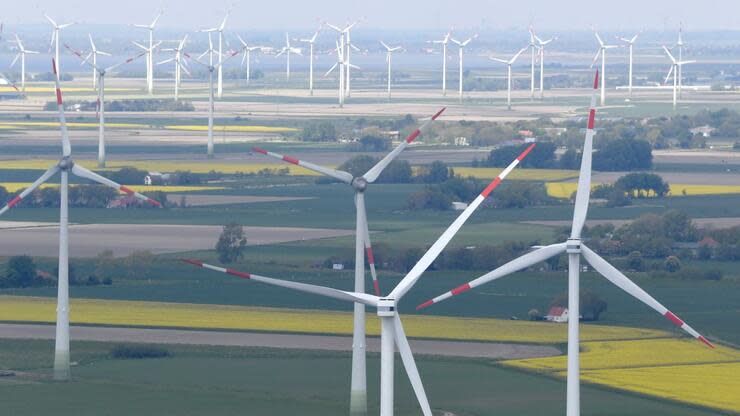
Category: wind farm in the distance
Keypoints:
(362, 216)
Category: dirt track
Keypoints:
(250, 339)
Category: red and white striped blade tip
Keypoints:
(456, 291)
(681, 324)
(434, 117)
(596, 80)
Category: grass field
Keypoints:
(237, 128)
(566, 189)
(71, 124)
(237, 381)
(180, 315)
(17, 186)
(50, 89)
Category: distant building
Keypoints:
(461, 141)
(695, 246)
(703, 131)
(337, 266)
(459, 206)
(557, 314)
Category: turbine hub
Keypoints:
(386, 308)
(573, 246)
(359, 183)
(66, 163)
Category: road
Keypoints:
(269, 340)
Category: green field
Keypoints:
(229, 381)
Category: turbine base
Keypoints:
(61, 366)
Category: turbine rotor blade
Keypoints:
(66, 146)
(88, 174)
(372, 174)
(409, 364)
(362, 213)
(363, 298)
(428, 258)
(623, 282)
(43, 178)
(584, 178)
(520, 263)
(336, 174)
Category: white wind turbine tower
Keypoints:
(94, 52)
(287, 50)
(66, 165)
(100, 74)
(388, 57)
(345, 44)
(55, 39)
(311, 41)
(675, 70)
(534, 47)
(392, 334)
(247, 57)
(179, 63)
(461, 46)
(444, 41)
(22, 51)
(602, 51)
(541, 46)
(211, 68)
(574, 247)
(630, 42)
(220, 30)
(358, 392)
(150, 56)
(340, 64)
(680, 45)
(509, 63)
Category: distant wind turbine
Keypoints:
(55, 40)
(461, 46)
(311, 41)
(388, 56)
(509, 63)
(287, 50)
(150, 56)
(630, 44)
(675, 70)
(220, 30)
(22, 51)
(94, 52)
(602, 51)
(444, 42)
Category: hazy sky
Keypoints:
(392, 14)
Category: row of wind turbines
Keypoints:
(393, 336)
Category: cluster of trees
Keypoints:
(632, 185)
(590, 304)
(126, 105)
(542, 156)
(398, 171)
(231, 243)
(22, 271)
(321, 131)
(80, 196)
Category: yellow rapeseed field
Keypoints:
(17, 186)
(238, 129)
(165, 166)
(180, 315)
(635, 353)
(566, 189)
(518, 174)
(712, 385)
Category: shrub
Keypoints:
(138, 351)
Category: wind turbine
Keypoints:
(461, 45)
(444, 42)
(680, 44)
(345, 44)
(602, 51)
(358, 398)
(100, 74)
(534, 47)
(55, 38)
(509, 63)
(630, 42)
(676, 71)
(541, 45)
(392, 335)
(388, 56)
(247, 57)
(179, 63)
(211, 68)
(150, 56)
(287, 50)
(575, 248)
(22, 51)
(94, 52)
(66, 165)
(220, 30)
(311, 41)
(341, 63)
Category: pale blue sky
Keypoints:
(393, 14)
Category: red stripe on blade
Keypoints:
(591, 118)
(291, 160)
(704, 340)
(126, 190)
(258, 150)
(377, 287)
(596, 80)
(425, 305)
(13, 202)
(59, 97)
(54, 65)
(193, 262)
(239, 274)
(526, 152)
(154, 202)
(491, 186)
(413, 136)
(434, 117)
(460, 289)
(673, 318)
(370, 257)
